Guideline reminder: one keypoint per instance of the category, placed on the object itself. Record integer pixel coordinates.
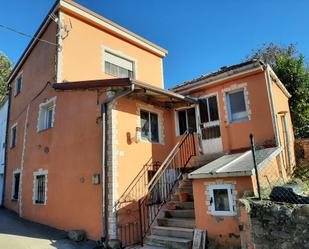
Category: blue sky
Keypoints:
(200, 35)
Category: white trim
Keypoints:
(231, 197)
(43, 108)
(177, 119)
(19, 75)
(233, 89)
(16, 171)
(11, 135)
(159, 126)
(113, 27)
(120, 54)
(60, 48)
(39, 172)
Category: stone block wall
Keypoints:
(269, 225)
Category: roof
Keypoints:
(240, 164)
(227, 70)
(141, 90)
(86, 13)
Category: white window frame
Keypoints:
(11, 140)
(43, 111)
(20, 76)
(177, 119)
(120, 55)
(140, 121)
(40, 172)
(228, 103)
(18, 171)
(229, 189)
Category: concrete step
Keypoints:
(183, 205)
(175, 197)
(169, 242)
(176, 222)
(184, 190)
(178, 232)
(184, 213)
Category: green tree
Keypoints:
(291, 68)
(5, 70)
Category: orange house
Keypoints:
(97, 143)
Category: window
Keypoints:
(18, 85)
(209, 109)
(16, 184)
(13, 136)
(118, 66)
(46, 115)
(236, 105)
(149, 126)
(40, 189)
(221, 200)
(186, 120)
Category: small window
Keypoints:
(16, 184)
(221, 200)
(237, 106)
(18, 85)
(40, 189)
(118, 66)
(46, 115)
(149, 126)
(186, 120)
(13, 136)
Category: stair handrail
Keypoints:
(160, 186)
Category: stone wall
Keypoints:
(268, 225)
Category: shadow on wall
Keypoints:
(18, 233)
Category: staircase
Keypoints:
(174, 228)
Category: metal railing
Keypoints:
(140, 204)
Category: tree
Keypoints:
(291, 69)
(5, 70)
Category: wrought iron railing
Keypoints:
(140, 204)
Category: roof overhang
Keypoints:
(112, 27)
(210, 81)
(142, 91)
(92, 16)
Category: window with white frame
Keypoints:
(40, 188)
(236, 105)
(46, 114)
(18, 85)
(186, 120)
(118, 66)
(221, 199)
(13, 135)
(16, 185)
(149, 126)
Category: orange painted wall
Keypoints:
(132, 156)
(281, 103)
(222, 229)
(236, 135)
(82, 56)
(36, 72)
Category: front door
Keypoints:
(210, 125)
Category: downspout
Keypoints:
(104, 107)
(273, 110)
(6, 146)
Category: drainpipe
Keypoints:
(104, 107)
(6, 145)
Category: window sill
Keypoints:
(42, 130)
(12, 147)
(145, 140)
(238, 121)
(39, 204)
(14, 200)
(117, 77)
(223, 213)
